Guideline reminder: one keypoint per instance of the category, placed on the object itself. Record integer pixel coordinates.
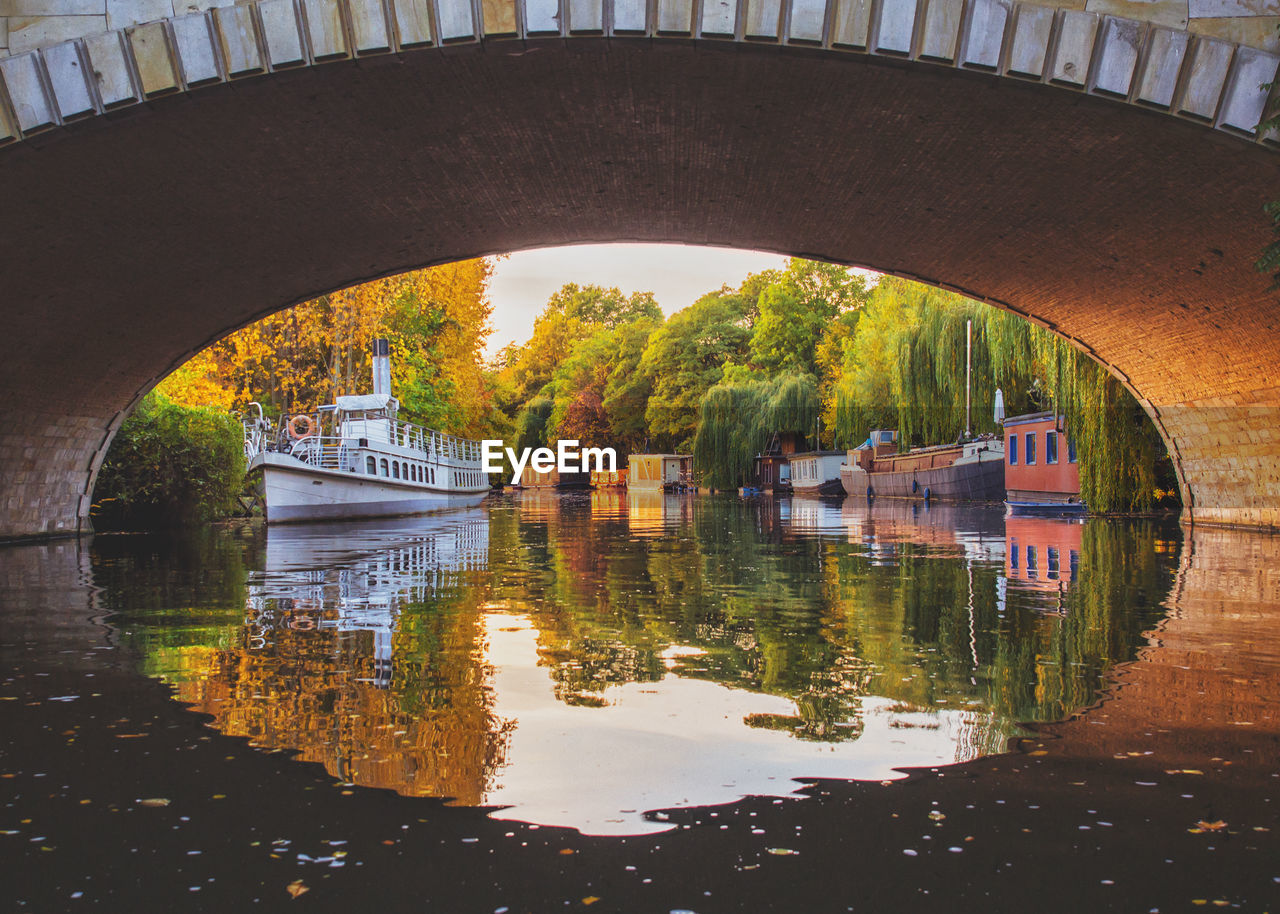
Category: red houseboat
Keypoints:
(1041, 474)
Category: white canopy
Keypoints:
(366, 402)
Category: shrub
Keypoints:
(170, 465)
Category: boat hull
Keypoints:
(826, 487)
(973, 481)
(294, 492)
(1045, 509)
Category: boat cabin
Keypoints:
(1041, 474)
(660, 471)
(882, 442)
(817, 472)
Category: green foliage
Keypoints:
(170, 465)
(532, 423)
(905, 368)
(729, 434)
(595, 306)
(738, 416)
(796, 310)
(685, 358)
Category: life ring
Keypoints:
(308, 427)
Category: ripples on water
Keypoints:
(594, 661)
(644, 703)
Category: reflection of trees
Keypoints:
(819, 622)
(285, 680)
(751, 604)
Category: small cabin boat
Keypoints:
(668, 472)
(972, 470)
(1042, 474)
(817, 473)
(354, 458)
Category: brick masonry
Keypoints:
(1089, 201)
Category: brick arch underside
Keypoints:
(134, 239)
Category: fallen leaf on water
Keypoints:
(1183, 771)
(296, 888)
(783, 851)
(590, 899)
(1211, 826)
(937, 816)
(566, 851)
(154, 801)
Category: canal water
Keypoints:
(624, 701)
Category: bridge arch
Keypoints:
(1097, 175)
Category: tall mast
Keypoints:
(968, 371)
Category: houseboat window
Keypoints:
(1030, 454)
(1013, 550)
(1071, 450)
(395, 469)
(1073, 562)
(1031, 561)
(1051, 560)
(1050, 447)
(385, 471)
(371, 466)
(433, 473)
(1013, 449)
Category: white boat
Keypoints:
(354, 458)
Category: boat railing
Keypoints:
(324, 452)
(437, 445)
(262, 435)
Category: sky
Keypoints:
(677, 274)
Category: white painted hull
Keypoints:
(294, 491)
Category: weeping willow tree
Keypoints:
(905, 369)
(737, 418)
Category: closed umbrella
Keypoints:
(999, 407)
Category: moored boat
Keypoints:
(971, 470)
(816, 473)
(667, 472)
(1042, 481)
(353, 458)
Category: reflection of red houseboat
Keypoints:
(1041, 474)
(1043, 551)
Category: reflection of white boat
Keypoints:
(356, 576)
(354, 458)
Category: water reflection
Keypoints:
(585, 659)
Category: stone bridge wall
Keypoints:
(28, 24)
